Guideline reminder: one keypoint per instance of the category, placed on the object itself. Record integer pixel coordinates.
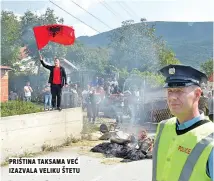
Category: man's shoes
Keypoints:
(59, 108)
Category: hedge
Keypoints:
(18, 107)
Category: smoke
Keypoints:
(138, 50)
(142, 95)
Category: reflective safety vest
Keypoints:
(182, 156)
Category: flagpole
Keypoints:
(39, 65)
(39, 53)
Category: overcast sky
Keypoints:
(113, 12)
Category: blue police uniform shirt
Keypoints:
(187, 124)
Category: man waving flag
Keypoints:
(55, 33)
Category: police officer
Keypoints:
(183, 149)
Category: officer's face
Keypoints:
(183, 100)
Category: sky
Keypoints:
(111, 12)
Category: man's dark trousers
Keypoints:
(56, 91)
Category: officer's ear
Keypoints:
(198, 92)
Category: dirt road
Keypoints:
(94, 167)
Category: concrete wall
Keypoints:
(29, 132)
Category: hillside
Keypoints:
(191, 42)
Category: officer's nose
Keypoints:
(172, 96)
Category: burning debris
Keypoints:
(126, 146)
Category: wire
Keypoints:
(110, 9)
(90, 14)
(121, 5)
(128, 7)
(106, 6)
(75, 17)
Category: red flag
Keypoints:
(56, 33)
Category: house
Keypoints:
(23, 53)
(27, 65)
(25, 62)
(69, 68)
(4, 83)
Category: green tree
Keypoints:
(152, 79)
(136, 46)
(28, 21)
(88, 58)
(75, 54)
(166, 57)
(10, 38)
(207, 67)
(96, 59)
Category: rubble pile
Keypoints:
(126, 146)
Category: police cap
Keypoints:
(182, 76)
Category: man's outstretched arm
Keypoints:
(43, 63)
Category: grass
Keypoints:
(85, 150)
(19, 107)
(111, 161)
(89, 127)
(87, 143)
(39, 105)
